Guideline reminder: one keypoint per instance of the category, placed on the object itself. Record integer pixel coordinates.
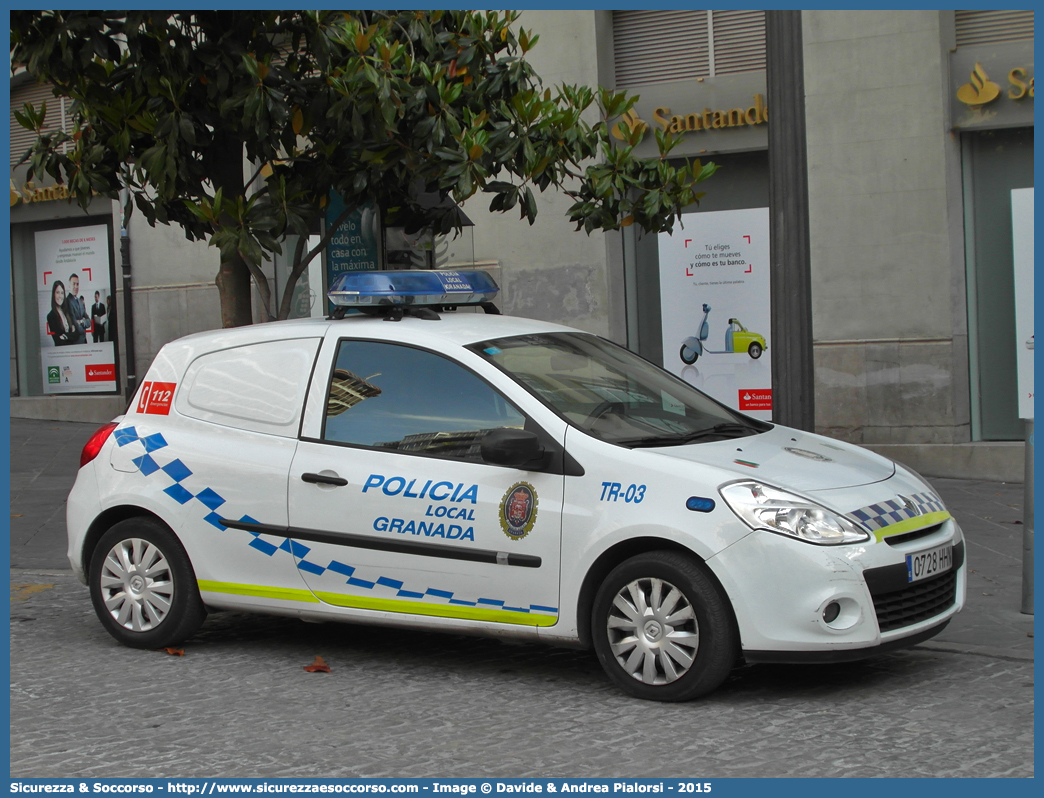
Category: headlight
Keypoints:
(764, 507)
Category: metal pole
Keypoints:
(793, 371)
(128, 313)
(1027, 526)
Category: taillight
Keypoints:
(95, 442)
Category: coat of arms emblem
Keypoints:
(518, 510)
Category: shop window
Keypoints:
(995, 163)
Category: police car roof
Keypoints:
(456, 328)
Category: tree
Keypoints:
(388, 107)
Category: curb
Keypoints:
(979, 651)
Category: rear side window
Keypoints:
(259, 387)
(394, 397)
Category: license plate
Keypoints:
(925, 564)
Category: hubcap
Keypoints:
(653, 631)
(137, 585)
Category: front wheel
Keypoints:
(754, 350)
(688, 355)
(142, 585)
(662, 628)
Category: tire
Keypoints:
(754, 350)
(687, 355)
(704, 637)
(143, 608)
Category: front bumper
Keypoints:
(841, 655)
(780, 588)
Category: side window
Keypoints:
(393, 397)
(259, 387)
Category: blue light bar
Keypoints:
(412, 287)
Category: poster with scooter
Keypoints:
(715, 306)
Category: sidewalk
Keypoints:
(45, 457)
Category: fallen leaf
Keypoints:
(175, 652)
(16, 515)
(319, 666)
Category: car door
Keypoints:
(392, 509)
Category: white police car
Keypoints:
(477, 473)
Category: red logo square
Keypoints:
(755, 399)
(104, 372)
(155, 398)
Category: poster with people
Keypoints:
(715, 306)
(75, 301)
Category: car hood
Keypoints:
(788, 458)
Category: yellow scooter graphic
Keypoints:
(737, 339)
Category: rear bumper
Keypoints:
(81, 508)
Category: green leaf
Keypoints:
(187, 131)
(530, 209)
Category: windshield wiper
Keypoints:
(727, 429)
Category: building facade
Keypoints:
(919, 126)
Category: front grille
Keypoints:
(918, 602)
(906, 537)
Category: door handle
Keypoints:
(322, 479)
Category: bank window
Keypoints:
(398, 398)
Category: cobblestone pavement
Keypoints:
(45, 456)
(990, 513)
(409, 704)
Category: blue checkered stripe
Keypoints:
(892, 511)
(299, 550)
(211, 500)
(175, 469)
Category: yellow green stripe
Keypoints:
(438, 610)
(911, 524)
(261, 591)
(383, 604)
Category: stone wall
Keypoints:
(887, 243)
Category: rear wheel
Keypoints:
(662, 628)
(142, 585)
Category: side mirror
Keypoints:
(515, 448)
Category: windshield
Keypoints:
(611, 393)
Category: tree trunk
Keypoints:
(301, 263)
(225, 165)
